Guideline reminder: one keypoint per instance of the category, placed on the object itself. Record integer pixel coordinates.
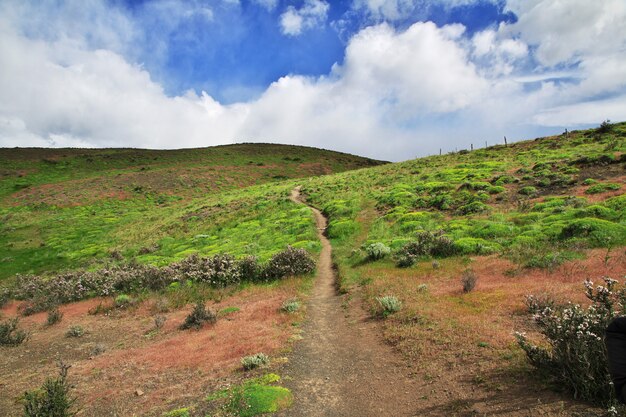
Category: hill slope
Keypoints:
(534, 217)
(65, 208)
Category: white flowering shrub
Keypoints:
(575, 354)
(254, 361)
(377, 251)
(389, 304)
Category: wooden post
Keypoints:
(505, 144)
(471, 146)
(439, 151)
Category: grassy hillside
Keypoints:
(534, 217)
(68, 208)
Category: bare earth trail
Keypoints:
(340, 367)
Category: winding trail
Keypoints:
(340, 367)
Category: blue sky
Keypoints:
(390, 79)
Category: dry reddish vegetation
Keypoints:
(171, 368)
(461, 347)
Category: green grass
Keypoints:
(154, 206)
(254, 397)
(488, 201)
(233, 199)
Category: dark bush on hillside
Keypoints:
(289, 262)
(53, 399)
(54, 316)
(219, 271)
(198, 317)
(605, 127)
(249, 269)
(575, 356)
(10, 335)
(426, 244)
(468, 280)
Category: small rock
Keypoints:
(138, 393)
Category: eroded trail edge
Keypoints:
(340, 367)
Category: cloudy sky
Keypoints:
(390, 79)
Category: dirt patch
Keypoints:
(341, 367)
(171, 368)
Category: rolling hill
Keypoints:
(458, 240)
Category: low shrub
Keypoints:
(473, 207)
(10, 335)
(53, 399)
(529, 190)
(290, 306)
(98, 349)
(575, 355)
(159, 321)
(249, 269)
(198, 317)
(376, 251)
(388, 305)
(602, 188)
(54, 316)
(406, 260)
(75, 331)
(218, 271)
(289, 262)
(124, 301)
(598, 232)
(468, 280)
(428, 244)
(254, 361)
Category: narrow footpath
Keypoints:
(340, 367)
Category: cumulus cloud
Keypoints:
(398, 93)
(565, 31)
(312, 14)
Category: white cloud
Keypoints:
(396, 94)
(565, 31)
(313, 13)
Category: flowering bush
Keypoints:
(44, 293)
(377, 251)
(254, 361)
(289, 262)
(388, 305)
(576, 355)
(219, 271)
(198, 317)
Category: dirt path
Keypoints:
(340, 367)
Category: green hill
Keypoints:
(458, 240)
(68, 208)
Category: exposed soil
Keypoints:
(341, 367)
(170, 368)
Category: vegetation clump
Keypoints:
(388, 304)
(53, 399)
(199, 316)
(468, 280)
(377, 250)
(254, 361)
(10, 335)
(290, 262)
(575, 355)
(290, 306)
(75, 331)
(54, 316)
(427, 243)
(218, 271)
